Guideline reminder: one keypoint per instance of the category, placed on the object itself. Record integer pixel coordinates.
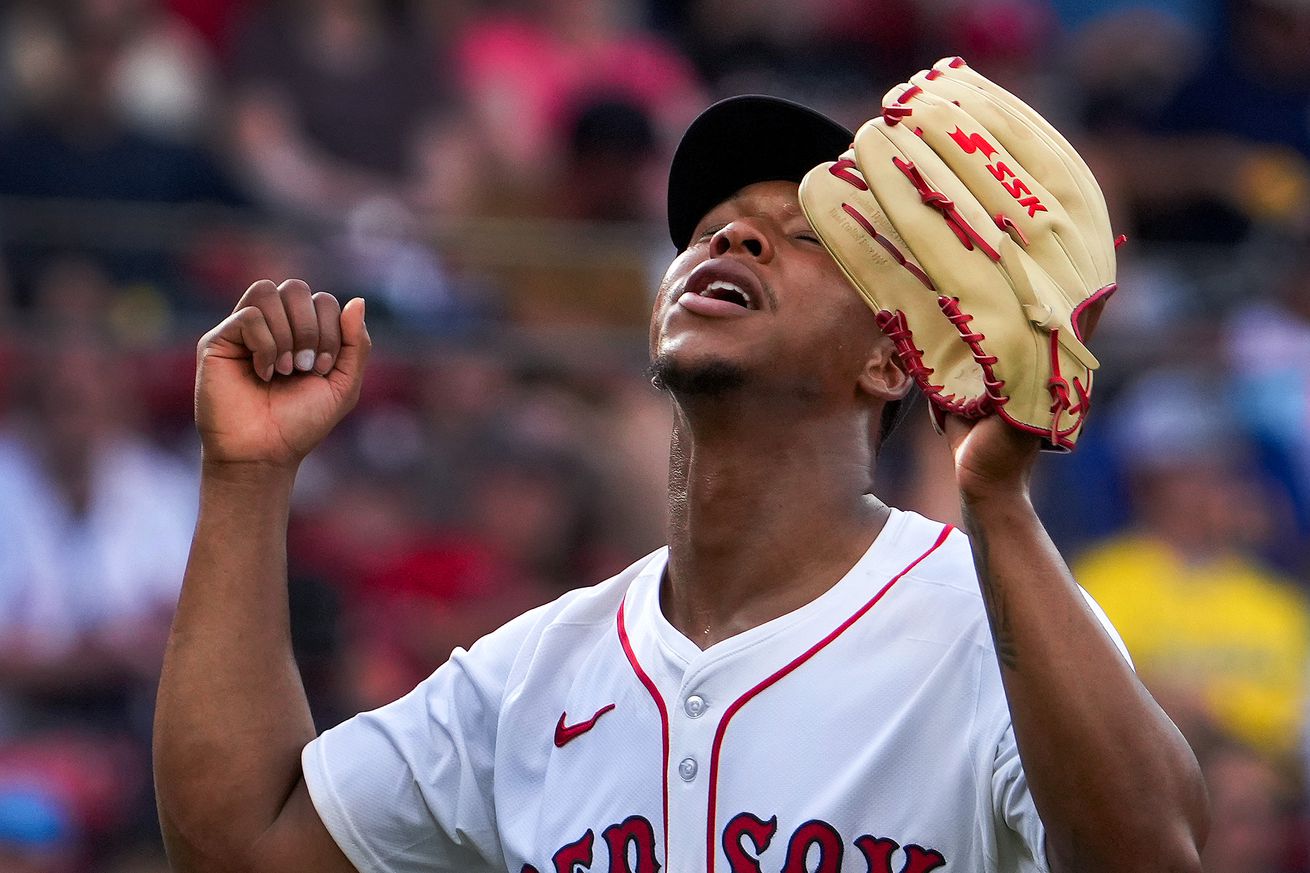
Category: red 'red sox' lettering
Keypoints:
(759, 832)
(632, 831)
(976, 142)
(814, 833)
(575, 854)
(878, 854)
(745, 837)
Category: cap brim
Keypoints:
(738, 142)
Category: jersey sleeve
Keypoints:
(1014, 807)
(1011, 800)
(407, 788)
(1109, 628)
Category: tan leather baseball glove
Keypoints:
(982, 242)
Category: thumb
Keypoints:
(348, 374)
(957, 430)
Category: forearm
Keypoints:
(1110, 774)
(232, 716)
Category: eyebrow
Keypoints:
(792, 211)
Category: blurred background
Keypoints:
(491, 176)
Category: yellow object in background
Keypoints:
(1227, 633)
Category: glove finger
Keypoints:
(945, 226)
(1008, 191)
(950, 235)
(985, 277)
(855, 229)
(1043, 153)
(836, 200)
(977, 91)
(1035, 144)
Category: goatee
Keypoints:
(704, 379)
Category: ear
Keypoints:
(884, 376)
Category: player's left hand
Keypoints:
(992, 459)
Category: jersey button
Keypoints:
(695, 706)
(687, 769)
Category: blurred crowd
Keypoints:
(490, 173)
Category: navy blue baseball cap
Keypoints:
(738, 142)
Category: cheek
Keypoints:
(678, 269)
(673, 277)
(841, 326)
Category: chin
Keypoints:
(705, 377)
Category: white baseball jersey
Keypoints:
(866, 731)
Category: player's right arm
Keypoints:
(232, 717)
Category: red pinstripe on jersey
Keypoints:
(659, 704)
(735, 707)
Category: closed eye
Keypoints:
(808, 237)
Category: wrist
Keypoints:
(997, 497)
(249, 475)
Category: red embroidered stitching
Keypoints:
(889, 246)
(896, 329)
(992, 398)
(963, 231)
(1060, 402)
(1099, 295)
(1006, 223)
(893, 114)
(842, 170)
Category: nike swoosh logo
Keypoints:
(565, 734)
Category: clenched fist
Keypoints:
(278, 374)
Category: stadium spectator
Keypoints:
(68, 137)
(1251, 803)
(330, 97)
(1219, 639)
(526, 73)
(1182, 170)
(97, 522)
(1267, 341)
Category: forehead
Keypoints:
(778, 199)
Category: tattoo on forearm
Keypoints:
(993, 595)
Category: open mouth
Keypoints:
(726, 287)
(729, 291)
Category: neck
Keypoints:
(767, 512)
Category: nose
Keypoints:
(745, 235)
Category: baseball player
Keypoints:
(805, 679)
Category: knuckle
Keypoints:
(249, 316)
(258, 291)
(261, 290)
(294, 286)
(325, 299)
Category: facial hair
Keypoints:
(714, 378)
